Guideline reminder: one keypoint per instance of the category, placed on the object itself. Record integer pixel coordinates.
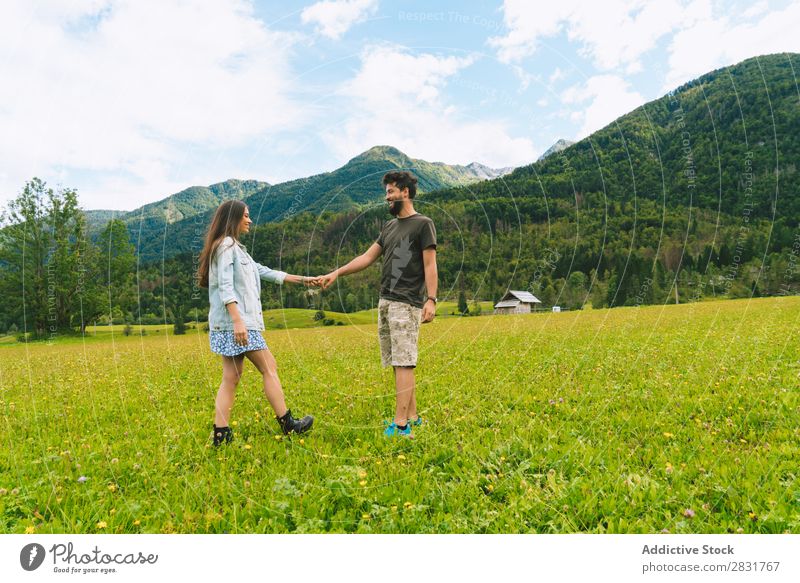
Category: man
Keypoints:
(409, 283)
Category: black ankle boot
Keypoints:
(291, 425)
(222, 435)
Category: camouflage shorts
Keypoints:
(398, 330)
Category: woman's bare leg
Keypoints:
(268, 367)
(231, 373)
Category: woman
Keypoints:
(235, 320)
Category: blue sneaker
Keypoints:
(393, 430)
(417, 422)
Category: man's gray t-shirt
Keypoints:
(403, 274)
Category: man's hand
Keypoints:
(428, 311)
(326, 281)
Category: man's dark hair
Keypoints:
(402, 180)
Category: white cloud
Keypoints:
(391, 77)
(715, 40)
(524, 77)
(128, 87)
(333, 18)
(613, 33)
(556, 76)
(396, 98)
(701, 34)
(609, 97)
(756, 9)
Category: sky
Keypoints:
(129, 101)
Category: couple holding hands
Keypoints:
(407, 298)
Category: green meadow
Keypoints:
(680, 419)
(278, 319)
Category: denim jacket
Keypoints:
(234, 277)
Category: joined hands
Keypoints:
(321, 281)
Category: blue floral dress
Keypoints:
(222, 342)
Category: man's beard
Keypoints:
(394, 207)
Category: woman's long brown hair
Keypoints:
(225, 223)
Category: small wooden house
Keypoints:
(517, 302)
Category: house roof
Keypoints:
(507, 304)
(523, 296)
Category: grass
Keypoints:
(681, 419)
(276, 319)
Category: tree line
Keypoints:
(56, 279)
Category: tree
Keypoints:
(575, 292)
(41, 253)
(90, 300)
(180, 324)
(462, 303)
(117, 263)
(23, 250)
(612, 289)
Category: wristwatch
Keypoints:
(432, 298)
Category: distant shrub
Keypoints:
(151, 319)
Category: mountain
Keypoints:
(728, 141)
(486, 173)
(354, 185)
(557, 147)
(176, 207)
(689, 197)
